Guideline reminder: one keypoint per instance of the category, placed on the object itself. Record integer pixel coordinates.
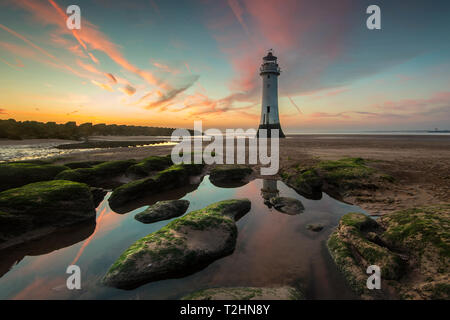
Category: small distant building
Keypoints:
(269, 71)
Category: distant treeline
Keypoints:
(17, 130)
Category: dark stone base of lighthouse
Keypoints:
(269, 127)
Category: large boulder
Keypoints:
(287, 205)
(229, 175)
(246, 293)
(423, 235)
(97, 173)
(149, 165)
(404, 244)
(163, 210)
(82, 164)
(13, 175)
(175, 176)
(185, 245)
(308, 183)
(40, 208)
(338, 178)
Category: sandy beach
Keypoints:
(420, 164)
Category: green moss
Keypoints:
(308, 182)
(358, 220)
(100, 171)
(41, 197)
(387, 177)
(42, 193)
(209, 217)
(169, 244)
(82, 164)
(342, 171)
(14, 175)
(150, 164)
(230, 172)
(245, 293)
(173, 177)
(419, 227)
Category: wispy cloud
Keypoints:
(167, 97)
(104, 86)
(129, 90)
(89, 37)
(295, 105)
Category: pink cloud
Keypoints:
(89, 35)
(129, 90)
(104, 86)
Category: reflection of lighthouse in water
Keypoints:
(269, 190)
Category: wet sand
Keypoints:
(420, 164)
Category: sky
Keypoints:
(169, 63)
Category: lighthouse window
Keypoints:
(268, 109)
(268, 76)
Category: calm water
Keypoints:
(20, 152)
(43, 150)
(272, 249)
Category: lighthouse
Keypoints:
(269, 71)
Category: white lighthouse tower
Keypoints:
(269, 72)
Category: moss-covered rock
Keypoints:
(246, 293)
(185, 245)
(173, 177)
(82, 164)
(43, 206)
(411, 247)
(287, 205)
(98, 194)
(96, 173)
(336, 177)
(424, 235)
(163, 210)
(308, 183)
(221, 175)
(353, 252)
(13, 175)
(149, 165)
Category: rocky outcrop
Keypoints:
(163, 210)
(97, 173)
(229, 175)
(316, 227)
(411, 247)
(184, 246)
(246, 293)
(308, 183)
(40, 208)
(149, 165)
(82, 164)
(173, 177)
(98, 194)
(13, 175)
(287, 205)
(337, 178)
